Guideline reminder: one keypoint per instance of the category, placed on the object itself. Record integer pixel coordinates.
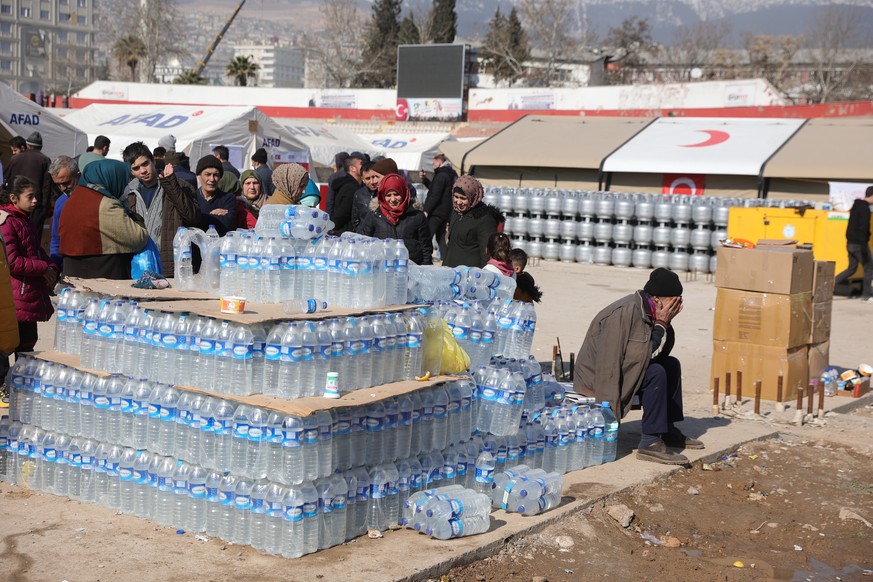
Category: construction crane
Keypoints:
(201, 65)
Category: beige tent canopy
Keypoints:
(550, 151)
(822, 150)
(454, 150)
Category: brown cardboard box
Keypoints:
(823, 281)
(859, 389)
(819, 356)
(766, 319)
(767, 270)
(762, 363)
(820, 330)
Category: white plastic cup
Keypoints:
(331, 386)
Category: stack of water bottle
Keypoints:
(526, 490)
(290, 359)
(292, 221)
(351, 271)
(207, 278)
(430, 283)
(447, 512)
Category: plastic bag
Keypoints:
(455, 359)
(148, 259)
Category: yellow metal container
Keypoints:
(825, 230)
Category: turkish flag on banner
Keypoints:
(688, 184)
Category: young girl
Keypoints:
(30, 268)
(497, 250)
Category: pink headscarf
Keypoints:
(472, 189)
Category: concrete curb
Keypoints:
(542, 522)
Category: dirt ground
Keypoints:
(798, 507)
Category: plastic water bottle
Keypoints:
(275, 518)
(377, 514)
(197, 492)
(610, 434)
(184, 266)
(292, 531)
(258, 520)
(596, 430)
(242, 533)
(485, 464)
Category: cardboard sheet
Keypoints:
(298, 406)
(122, 288)
(823, 281)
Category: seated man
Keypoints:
(627, 351)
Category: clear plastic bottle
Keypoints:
(292, 545)
(610, 434)
(485, 464)
(197, 493)
(274, 526)
(242, 532)
(227, 515)
(258, 520)
(240, 458)
(596, 430)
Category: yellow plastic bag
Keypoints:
(455, 359)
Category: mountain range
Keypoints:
(773, 17)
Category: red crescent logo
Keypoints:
(715, 137)
(401, 110)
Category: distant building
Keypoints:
(278, 65)
(47, 46)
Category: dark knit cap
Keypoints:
(385, 167)
(209, 161)
(260, 156)
(663, 283)
(34, 139)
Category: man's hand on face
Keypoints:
(667, 308)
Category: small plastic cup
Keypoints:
(331, 386)
(232, 304)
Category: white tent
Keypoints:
(412, 152)
(703, 145)
(20, 116)
(197, 130)
(325, 140)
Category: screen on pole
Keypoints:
(430, 82)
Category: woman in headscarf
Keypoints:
(394, 216)
(98, 234)
(290, 181)
(248, 204)
(471, 224)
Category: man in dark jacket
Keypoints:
(265, 174)
(345, 188)
(627, 351)
(217, 208)
(33, 165)
(338, 172)
(438, 205)
(223, 154)
(858, 244)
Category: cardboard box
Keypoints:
(766, 270)
(762, 363)
(819, 357)
(858, 389)
(820, 329)
(823, 277)
(766, 319)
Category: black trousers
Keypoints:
(858, 255)
(27, 337)
(437, 227)
(661, 395)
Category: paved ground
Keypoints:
(99, 545)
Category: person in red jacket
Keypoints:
(31, 271)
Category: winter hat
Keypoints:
(168, 142)
(472, 189)
(260, 156)
(35, 139)
(385, 167)
(663, 283)
(209, 161)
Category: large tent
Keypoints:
(20, 116)
(823, 150)
(545, 151)
(716, 156)
(411, 151)
(197, 130)
(325, 140)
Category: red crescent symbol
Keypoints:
(715, 137)
(683, 182)
(401, 110)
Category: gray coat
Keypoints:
(618, 347)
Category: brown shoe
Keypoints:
(657, 453)
(676, 439)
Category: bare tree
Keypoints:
(835, 75)
(158, 25)
(770, 57)
(696, 46)
(336, 50)
(547, 23)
